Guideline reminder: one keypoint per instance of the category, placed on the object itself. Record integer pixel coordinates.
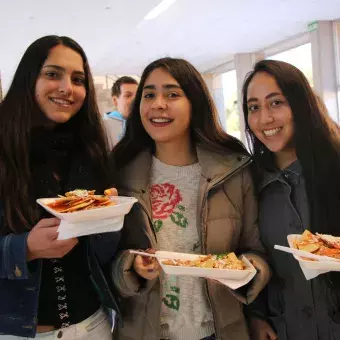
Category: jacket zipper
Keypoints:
(204, 241)
(151, 225)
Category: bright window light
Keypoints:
(160, 8)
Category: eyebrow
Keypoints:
(166, 86)
(270, 95)
(62, 69)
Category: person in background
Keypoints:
(195, 193)
(123, 93)
(296, 152)
(52, 141)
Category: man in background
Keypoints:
(123, 93)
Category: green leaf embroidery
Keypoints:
(171, 301)
(179, 219)
(181, 207)
(175, 289)
(158, 224)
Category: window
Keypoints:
(229, 82)
(300, 57)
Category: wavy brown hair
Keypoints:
(206, 129)
(18, 111)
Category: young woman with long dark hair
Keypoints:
(51, 142)
(296, 148)
(195, 195)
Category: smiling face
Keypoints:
(269, 114)
(60, 88)
(165, 110)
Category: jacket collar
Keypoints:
(116, 115)
(214, 167)
(294, 170)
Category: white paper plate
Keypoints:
(211, 273)
(122, 207)
(313, 265)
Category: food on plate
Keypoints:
(80, 193)
(79, 200)
(222, 261)
(319, 244)
(331, 241)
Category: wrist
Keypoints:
(30, 254)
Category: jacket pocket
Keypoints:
(334, 323)
(279, 324)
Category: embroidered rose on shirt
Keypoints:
(165, 199)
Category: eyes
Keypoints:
(54, 75)
(169, 95)
(273, 104)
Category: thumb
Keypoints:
(48, 222)
(139, 260)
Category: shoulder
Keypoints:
(241, 182)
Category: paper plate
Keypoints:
(212, 273)
(122, 207)
(313, 265)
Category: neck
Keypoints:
(177, 154)
(285, 158)
(42, 122)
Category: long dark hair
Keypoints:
(18, 111)
(205, 127)
(316, 139)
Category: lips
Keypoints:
(160, 121)
(61, 102)
(272, 132)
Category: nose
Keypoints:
(159, 103)
(266, 115)
(65, 86)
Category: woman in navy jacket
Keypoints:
(51, 142)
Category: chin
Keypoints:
(161, 140)
(275, 148)
(61, 117)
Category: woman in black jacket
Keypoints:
(51, 142)
(296, 149)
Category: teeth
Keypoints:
(161, 120)
(273, 132)
(61, 101)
